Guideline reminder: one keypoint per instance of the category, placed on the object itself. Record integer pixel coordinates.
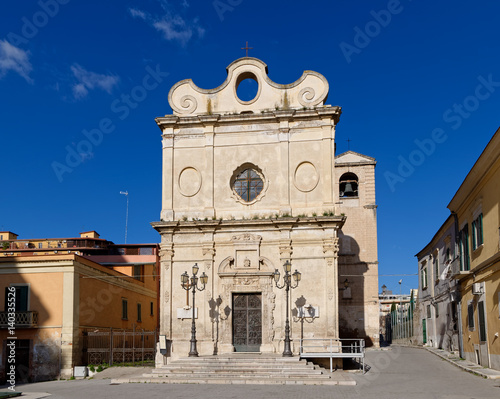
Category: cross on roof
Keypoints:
(348, 144)
(246, 48)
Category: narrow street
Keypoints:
(400, 372)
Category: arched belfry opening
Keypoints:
(348, 185)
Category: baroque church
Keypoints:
(248, 186)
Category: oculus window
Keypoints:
(248, 185)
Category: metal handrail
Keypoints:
(354, 347)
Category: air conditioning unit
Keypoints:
(477, 289)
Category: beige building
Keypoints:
(459, 269)
(58, 294)
(476, 210)
(249, 185)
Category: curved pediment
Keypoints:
(227, 267)
(187, 99)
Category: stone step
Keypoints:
(236, 359)
(237, 375)
(249, 366)
(238, 372)
(236, 380)
(241, 369)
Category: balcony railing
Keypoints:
(27, 319)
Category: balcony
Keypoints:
(456, 272)
(28, 319)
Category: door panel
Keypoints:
(247, 322)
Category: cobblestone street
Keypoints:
(399, 372)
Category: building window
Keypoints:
(470, 315)
(482, 321)
(151, 309)
(138, 271)
(448, 254)
(428, 311)
(423, 276)
(348, 185)
(436, 309)
(463, 244)
(40, 245)
(248, 185)
(124, 309)
(477, 232)
(454, 315)
(139, 312)
(22, 297)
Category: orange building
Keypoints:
(60, 293)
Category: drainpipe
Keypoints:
(457, 287)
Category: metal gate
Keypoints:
(119, 346)
(247, 322)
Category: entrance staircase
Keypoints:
(242, 368)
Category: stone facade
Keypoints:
(249, 185)
(438, 325)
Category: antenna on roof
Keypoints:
(125, 193)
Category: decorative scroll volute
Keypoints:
(310, 90)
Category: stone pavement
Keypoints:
(400, 372)
(465, 364)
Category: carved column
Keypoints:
(167, 204)
(166, 260)
(330, 250)
(208, 252)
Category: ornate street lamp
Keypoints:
(193, 285)
(287, 284)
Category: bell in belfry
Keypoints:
(348, 191)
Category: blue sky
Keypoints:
(418, 81)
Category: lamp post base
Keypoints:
(287, 352)
(193, 352)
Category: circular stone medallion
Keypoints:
(189, 182)
(306, 177)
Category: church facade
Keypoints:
(248, 186)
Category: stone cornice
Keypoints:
(172, 121)
(189, 226)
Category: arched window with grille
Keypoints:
(348, 185)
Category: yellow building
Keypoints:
(58, 297)
(476, 210)
(89, 243)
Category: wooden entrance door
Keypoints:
(247, 322)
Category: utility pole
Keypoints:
(401, 308)
(125, 193)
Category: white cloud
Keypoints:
(14, 59)
(174, 29)
(171, 25)
(90, 80)
(137, 13)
